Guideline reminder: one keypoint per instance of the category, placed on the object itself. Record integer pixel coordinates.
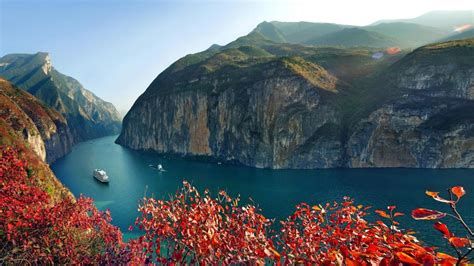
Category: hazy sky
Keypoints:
(116, 48)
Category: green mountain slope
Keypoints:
(408, 34)
(354, 37)
(88, 116)
(295, 32)
(271, 32)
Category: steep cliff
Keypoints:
(277, 105)
(252, 102)
(266, 122)
(39, 133)
(45, 130)
(87, 115)
(429, 122)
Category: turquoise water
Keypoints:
(275, 191)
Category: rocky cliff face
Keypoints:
(430, 123)
(44, 130)
(273, 123)
(285, 106)
(87, 115)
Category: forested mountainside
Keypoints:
(87, 115)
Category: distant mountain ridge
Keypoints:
(353, 37)
(445, 20)
(404, 33)
(88, 116)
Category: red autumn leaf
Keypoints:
(426, 214)
(458, 191)
(382, 214)
(404, 257)
(391, 208)
(443, 229)
(398, 214)
(459, 242)
(436, 197)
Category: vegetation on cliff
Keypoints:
(36, 131)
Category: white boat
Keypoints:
(101, 175)
(160, 168)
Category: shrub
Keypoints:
(33, 229)
(200, 229)
(338, 233)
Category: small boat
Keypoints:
(158, 167)
(101, 175)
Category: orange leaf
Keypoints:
(398, 214)
(426, 214)
(443, 229)
(445, 258)
(403, 257)
(316, 208)
(435, 196)
(382, 213)
(458, 191)
(459, 242)
(350, 262)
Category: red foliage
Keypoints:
(34, 230)
(194, 228)
(337, 233)
(463, 246)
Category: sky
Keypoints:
(116, 48)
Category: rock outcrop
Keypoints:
(87, 115)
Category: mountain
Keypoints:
(45, 130)
(272, 104)
(426, 118)
(444, 20)
(87, 115)
(386, 34)
(353, 37)
(295, 32)
(408, 34)
(38, 132)
(271, 32)
(467, 34)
